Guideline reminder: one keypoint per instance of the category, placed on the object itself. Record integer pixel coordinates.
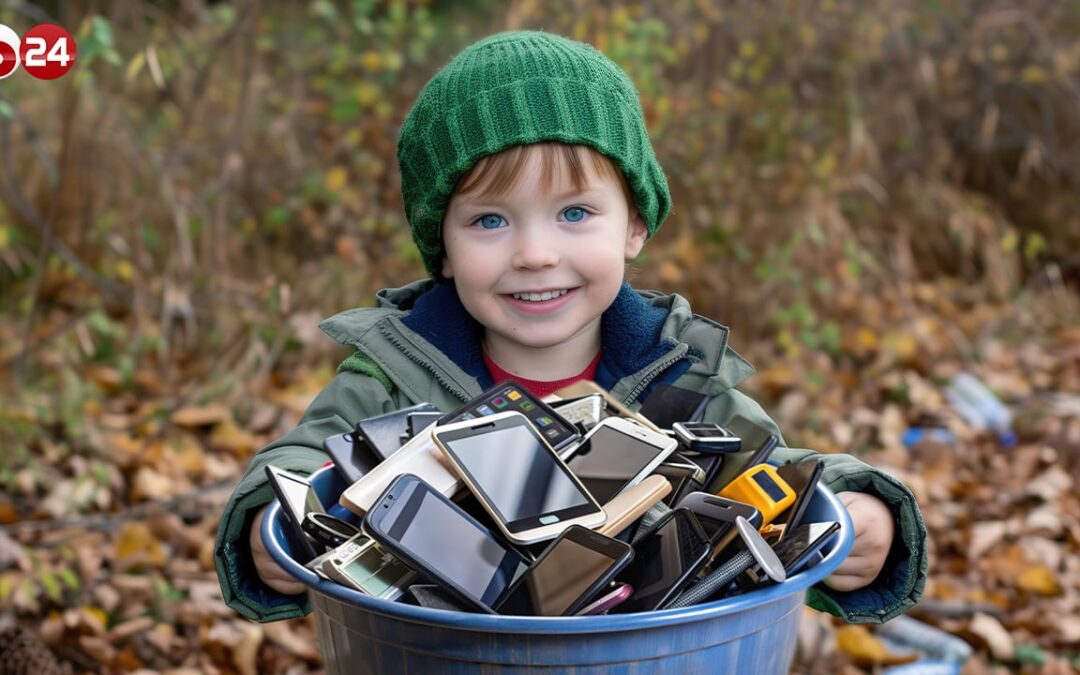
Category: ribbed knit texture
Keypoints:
(519, 88)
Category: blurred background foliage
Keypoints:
(212, 178)
(872, 193)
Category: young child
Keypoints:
(529, 182)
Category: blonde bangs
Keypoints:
(494, 176)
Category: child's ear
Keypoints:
(447, 268)
(636, 236)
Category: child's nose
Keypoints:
(535, 249)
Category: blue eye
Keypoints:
(490, 221)
(575, 214)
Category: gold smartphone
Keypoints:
(632, 503)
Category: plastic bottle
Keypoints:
(979, 407)
(934, 644)
(916, 435)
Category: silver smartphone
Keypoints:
(361, 565)
(518, 477)
(617, 454)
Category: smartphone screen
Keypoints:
(664, 561)
(567, 574)
(668, 404)
(512, 397)
(520, 478)
(798, 547)
(608, 460)
(757, 443)
(443, 542)
(803, 478)
(376, 571)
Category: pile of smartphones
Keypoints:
(570, 505)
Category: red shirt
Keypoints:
(541, 388)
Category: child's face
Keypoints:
(538, 266)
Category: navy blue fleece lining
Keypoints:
(630, 335)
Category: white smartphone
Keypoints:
(361, 565)
(618, 453)
(419, 457)
(518, 477)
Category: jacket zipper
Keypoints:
(661, 365)
(406, 348)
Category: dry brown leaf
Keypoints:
(148, 484)
(229, 436)
(199, 416)
(284, 633)
(994, 634)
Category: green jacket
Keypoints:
(420, 345)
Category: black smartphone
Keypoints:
(297, 500)
(566, 576)
(382, 433)
(666, 559)
(351, 459)
(509, 396)
(668, 404)
(799, 548)
(418, 421)
(803, 478)
(417, 524)
(757, 444)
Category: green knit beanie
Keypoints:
(519, 88)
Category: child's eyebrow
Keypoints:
(470, 204)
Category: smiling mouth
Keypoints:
(543, 296)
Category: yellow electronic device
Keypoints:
(761, 487)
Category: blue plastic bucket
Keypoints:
(750, 633)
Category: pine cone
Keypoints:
(22, 653)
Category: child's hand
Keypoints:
(269, 571)
(874, 528)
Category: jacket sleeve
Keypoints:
(901, 582)
(348, 398)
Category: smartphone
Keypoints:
(617, 454)
(517, 477)
(624, 509)
(803, 478)
(584, 410)
(679, 466)
(418, 421)
(666, 559)
(668, 404)
(382, 433)
(433, 596)
(510, 396)
(608, 601)
(706, 437)
(351, 459)
(417, 524)
(801, 546)
(327, 530)
(613, 407)
(297, 500)
(360, 564)
(419, 456)
(757, 443)
(570, 571)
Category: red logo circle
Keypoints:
(48, 51)
(9, 60)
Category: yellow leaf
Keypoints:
(231, 437)
(1040, 580)
(371, 60)
(335, 179)
(125, 271)
(859, 643)
(136, 544)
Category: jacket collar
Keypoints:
(631, 331)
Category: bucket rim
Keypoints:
(271, 530)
